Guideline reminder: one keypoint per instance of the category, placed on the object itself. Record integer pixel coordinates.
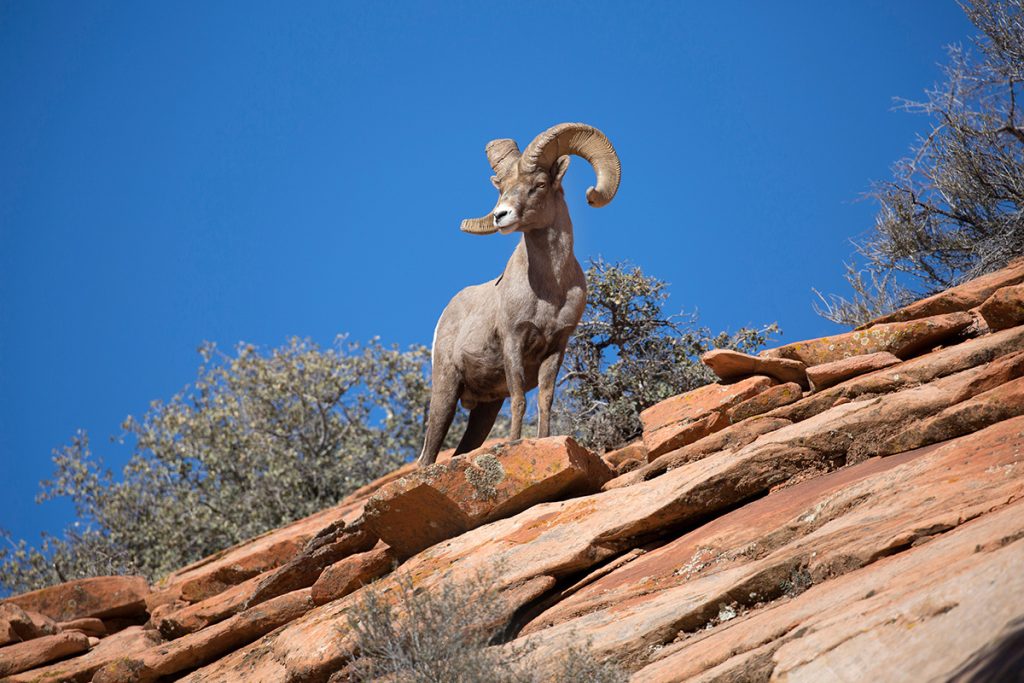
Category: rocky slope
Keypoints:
(846, 508)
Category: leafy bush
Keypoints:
(627, 355)
(257, 441)
(954, 208)
(410, 636)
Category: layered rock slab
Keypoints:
(81, 669)
(446, 499)
(811, 533)
(902, 339)
(830, 374)
(33, 653)
(101, 596)
(688, 417)
(926, 610)
(203, 646)
(218, 572)
(1005, 308)
(732, 365)
(960, 298)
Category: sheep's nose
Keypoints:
(498, 215)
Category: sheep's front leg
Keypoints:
(546, 392)
(516, 380)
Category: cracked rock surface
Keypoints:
(863, 525)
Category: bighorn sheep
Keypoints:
(504, 337)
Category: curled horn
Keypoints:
(503, 155)
(581, 140)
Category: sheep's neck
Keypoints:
(550, 261)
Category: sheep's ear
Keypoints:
(494, 181)
(559, 169)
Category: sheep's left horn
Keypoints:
(479, 226)
(581, 140)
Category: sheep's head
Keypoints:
(530, 184)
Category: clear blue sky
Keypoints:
(178, 172)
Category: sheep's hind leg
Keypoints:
(444, 397)
(481, 420)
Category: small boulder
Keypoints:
(38, 651)
(829, 374)
(332, 544)
(733, 365)
(348, 575)
(100, 596)
(1005, 308)
(90, 626)
(902, 339)
(683, 419)
(633, 451)
(769, 399)
(443, 500)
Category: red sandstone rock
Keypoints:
(926, 611)
(769, 399)
(90, 626)
(101, 596)
(688, 417)
(829, 374)
(1005, 308)
(211, 575)
(989, 407)
(960, 298)
(195, 649)
(81, 669)
(446, 499)
(902, 339)
(734, 365)
(627, 586)
(177, 619)
(32, 653)
(347, 575)
(633, 451)
(304, 569)
(787, 541)
(922, 370)
(730, 439)
(15, 625)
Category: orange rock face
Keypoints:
(902, 339)
(961, 298)
(733, 365)
(32, 653)
(683, 419)
(769, 399)
(446, 499)
(830, 374)
(1005, 308)
(102, 596)
(349, 574)
(867, 529)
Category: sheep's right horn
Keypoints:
(479, 226)
(503, 155)
(582, 140)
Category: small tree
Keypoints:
(257, 441)
(627, 355)
(954, 208)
